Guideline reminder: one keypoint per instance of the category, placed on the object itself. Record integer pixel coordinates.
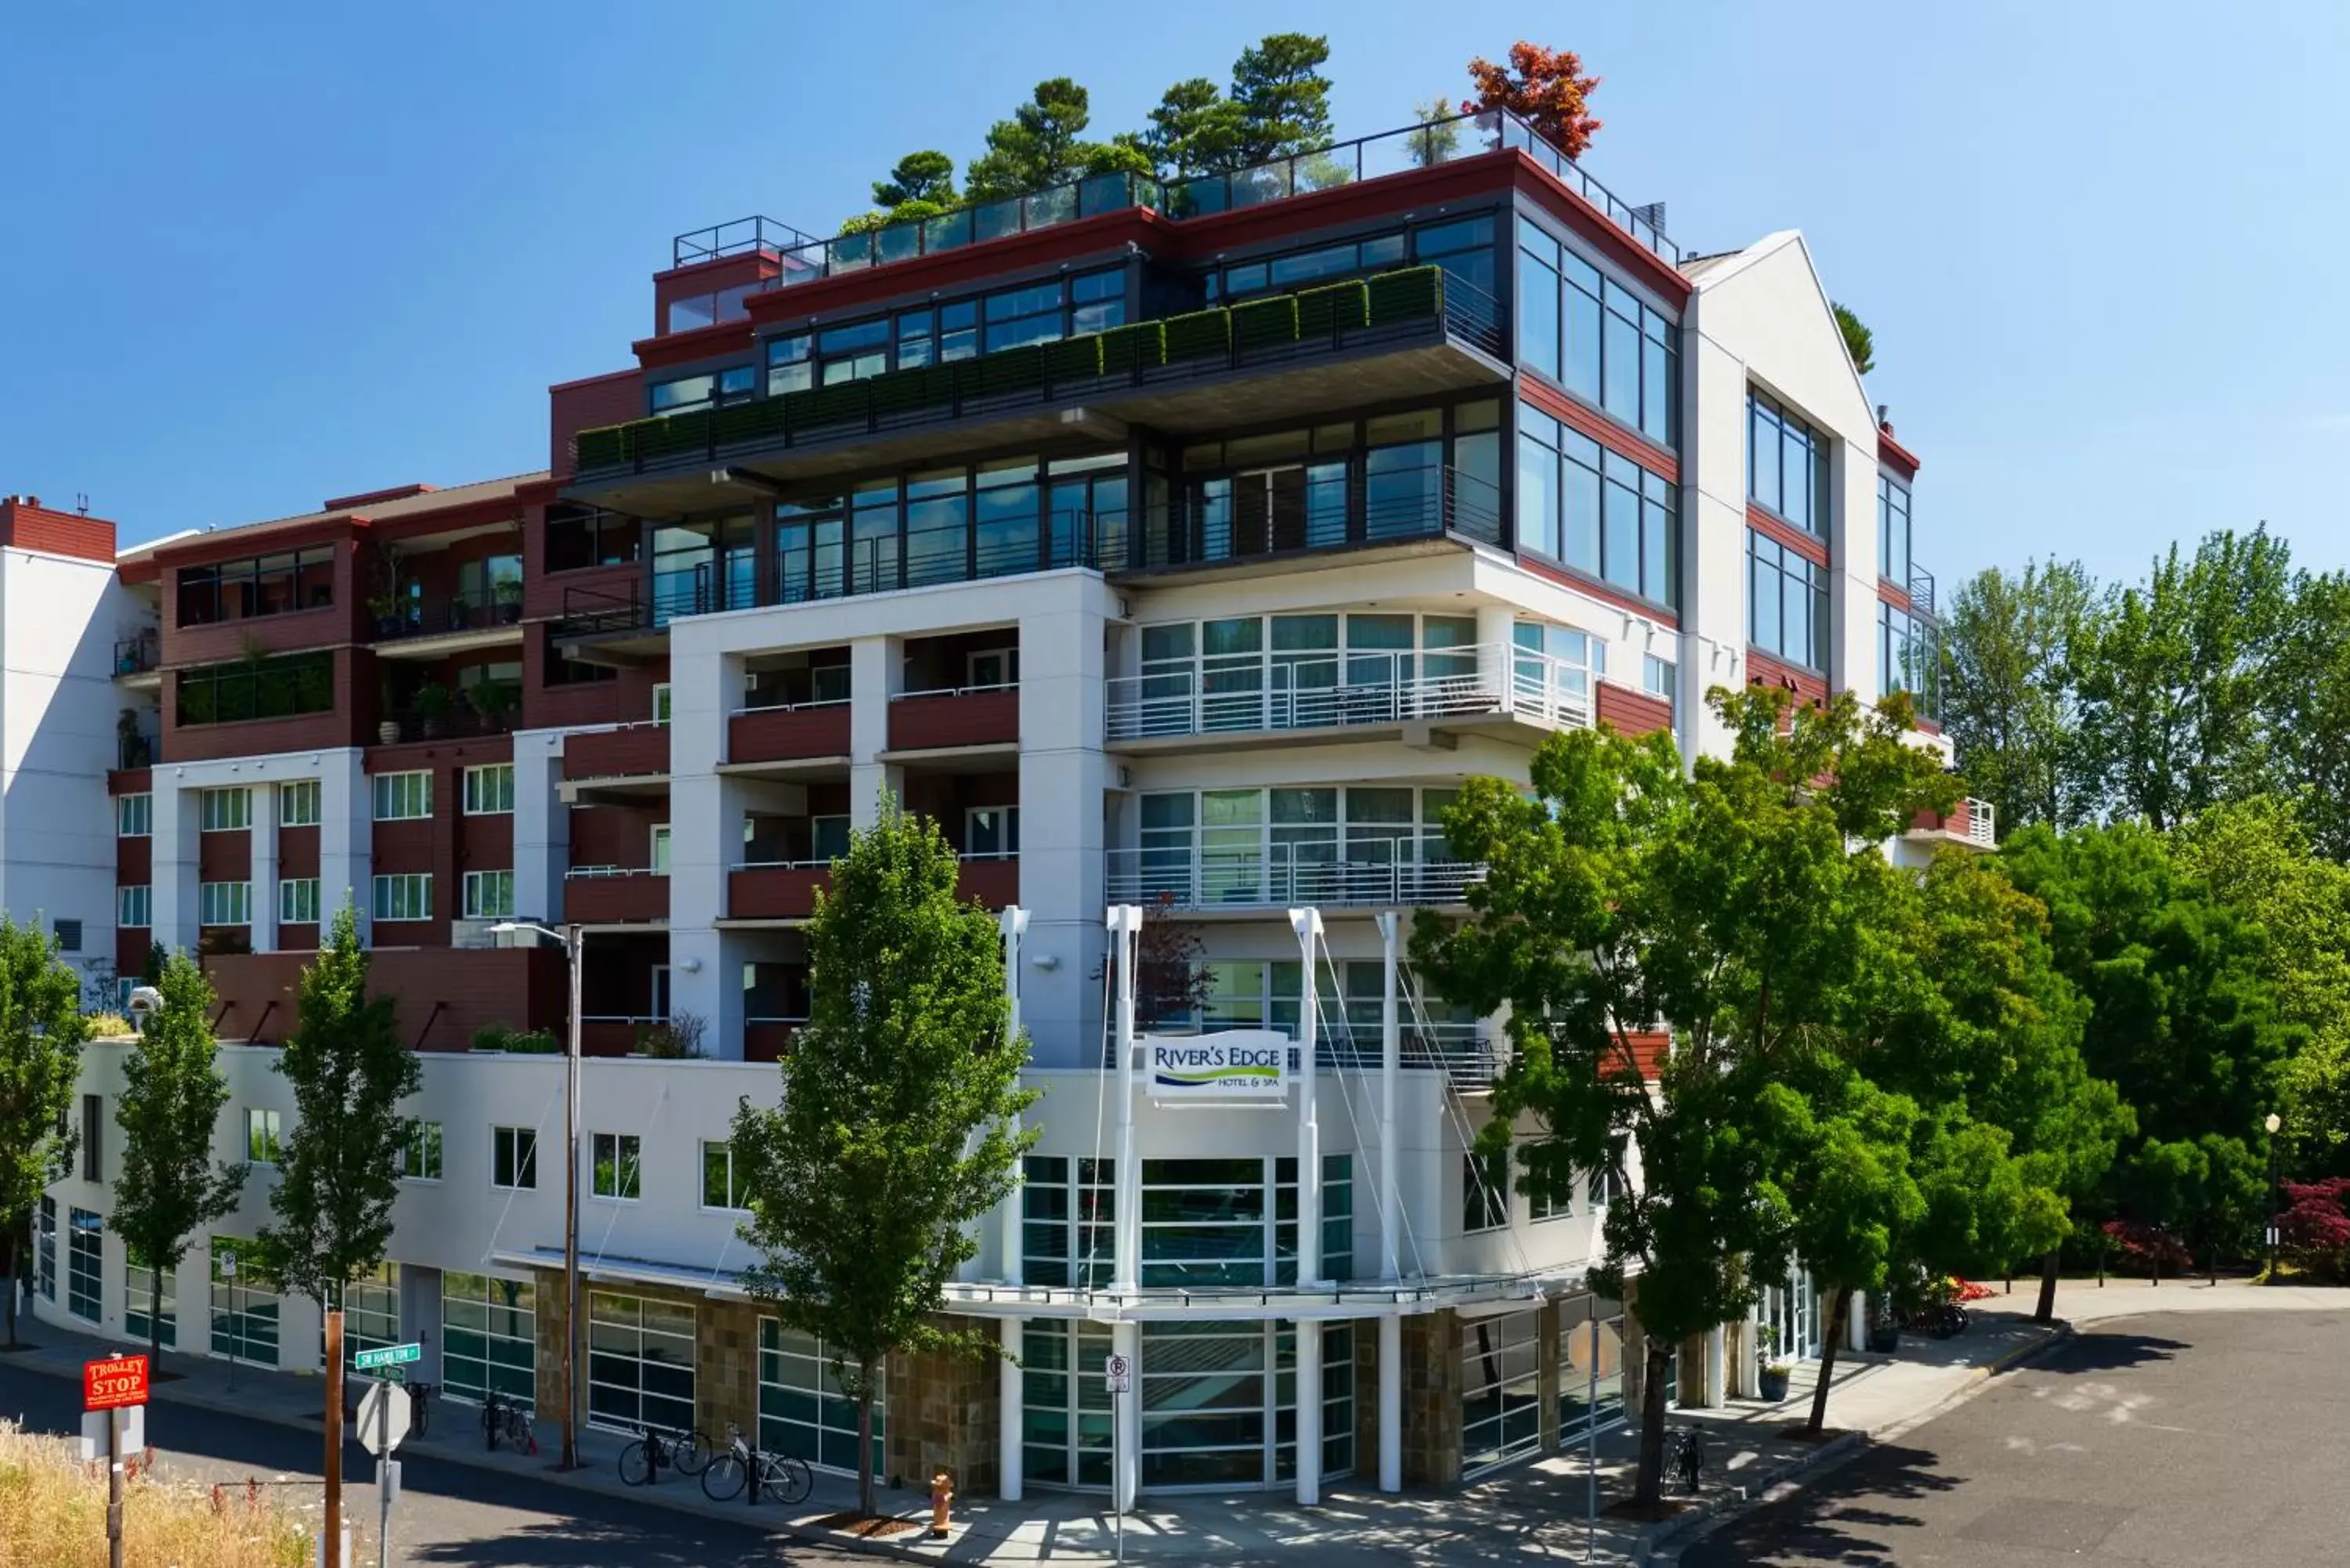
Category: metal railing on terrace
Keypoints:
(1283, 876)
(1921, 591)
(1470, 1054)
(1408, 503)
(1982, 823)
(441, 614)
(138, 655)
(1212, 694)
(1402, 306)
(1330, 168)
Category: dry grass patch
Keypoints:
(53, 1512)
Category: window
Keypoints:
(660, 702)
(559, 669)
(731, 385)
(1592, 335)
(1463, 248)
(1303, 269)
(489, 1338)
(1660, 677)
(44, 1249)
(69, 934)
(420, 1157)
(581, 537)
(1484, 1191)
(718, 1187)
(489, 789)
(1596, 510)
(514, 1157)
(991, 833)
(133, 907)
(257, 586)
(827, 837)
(134, 815)
(1892, 531)
(1786, 464)
(278, 688)
(1909, 659)
(261, 1139)
(404, 895)
(1065, 1230)
(86, 1265)
(372, 1311)
(227, 810)
(93, 1138)
(297, 803)
(244, 1304)
(224, 904)
(489, 896)
(1787, 602)
(803, 1412)
(639, 1362)
(298, 901)
(142, 1318)
(1501, 1398)
(403, 797)
(1601, 1189)
(617, 1168)
(1542, 1203)
(995, 667)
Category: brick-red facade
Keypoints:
(26, 524)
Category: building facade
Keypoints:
(1180, 549)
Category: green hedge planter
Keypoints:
(1408, 296)
(1198, 334)
(1072, 358)
(1265, 323)
(1140, 347)
(1334, 307)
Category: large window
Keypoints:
(224, 903)
(134, 815)
(1909, 659)
(489, 896)
(1594, 337)
(258, 585)
(1064, 1418)
(489, 1338)
(1036, 312)
(141, 1318)
(277, 688)
(1501, 1393)
(1066, 1228)
(1297, 671)
(227, 810)
(1590, 1367)
(1892, 531)
(639, 1364)
(619, 1162)
(582, 536)
(86, 1264)
(403, 895)
(298, 901)
(403, 797)
(1787, 602)
(718, 1189)
(261, 1135)
(45, 1251)
(371, 1310)
(1304, 269)
(1786, 464)
(1596, 510)
(803, 1409)
(1484, 1191)
(676, 395)
(297, 803)
(490, 790)
(1313, 844)
(244, 1304)
(133, 907)
(514, 1157)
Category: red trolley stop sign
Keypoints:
(115, 1382)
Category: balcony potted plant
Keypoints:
(1884, 1328)
(507, 593)
(493, 701)
(1772, 1377)
(433, 702)
(385, 607)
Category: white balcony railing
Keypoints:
(1222, 694)
(1470, 1054)
(1982, 823)
(1280, 877)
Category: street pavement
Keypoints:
(2179, 1435)
(448, 1513)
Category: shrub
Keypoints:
(52, 1506)
(108, 1026)
(2313, 1234)
(677, 1039)
(2151, 1247)
(516, 1042)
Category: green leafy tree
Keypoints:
(41, 1031)
(1044, 144)
(2309, 702)
(2178, 675)
(1859, 340)
(2182, 1021)
(895, 1132)
(927, 176)
(2010, 651)
(1438, 136)
(1730, 903)
(339, 1168)
(1195, 129)
(172, 1093)
(1283, 96)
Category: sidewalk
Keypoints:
(1535, 1508)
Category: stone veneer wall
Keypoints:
(1432, 1398)
(943, 1415)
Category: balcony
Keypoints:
(990, 879)
(137, 661)
(1921, 591)
(806, 733)
(630, 751)
(1973, 822)
(1281, 877)
(451, 623)
(615, 895)
(1342, 696)
(614, 1033)
(768, 1039)
(1340, 165)
(959, 717)
(774, 890)
(1407, 334)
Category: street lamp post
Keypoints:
(2273, 1124)
(574, 940)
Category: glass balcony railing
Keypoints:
(1385, 875)
(1329, 168)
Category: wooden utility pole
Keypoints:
(331, 1528)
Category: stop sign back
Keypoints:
(117, 1381)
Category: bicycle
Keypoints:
(782, 1477)
(419, 1407)
(642, 1462)
(501, 1417)
(1685, 1464)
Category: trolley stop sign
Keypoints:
(387, 1355)
(114, 1383)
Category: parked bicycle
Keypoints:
(642, 1462)
(419, 1407)
(782, 1477)
(503, 1420)
(1943, 1320)
(1685, 1464)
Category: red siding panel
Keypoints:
(774, 893)
(439, 996)
(635, 899)
(636, 750)
(954, 718)
(995, 883)
(26, 524)
(1633, 712)
(782, 734)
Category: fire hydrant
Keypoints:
(941, 1494)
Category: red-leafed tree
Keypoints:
(2315, 1230)
(1544, 88)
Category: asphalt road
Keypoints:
(447, 1513)
(2158, 1439)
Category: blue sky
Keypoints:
(316, 250)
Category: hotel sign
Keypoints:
(1239, 1065)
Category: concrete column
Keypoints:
(1309, 1410)
(876, 674)
(1716, 1368)
(346, 837)
(1546, 1374)
(265, 868)
(705, 839)
(419, 1317)
(1855, 1323)
(1126, 1476)
(542, 826)
(1065, 781)
(1496, 627)
(1011, 1393)
(171, 853)
(1391, 1403)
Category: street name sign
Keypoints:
(387, 1355)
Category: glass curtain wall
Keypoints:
(489, 1338)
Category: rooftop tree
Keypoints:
(41, 1031)
(172, 1093)
(1733, 903)
(1859, 340)
(1042, 145)
(896, 1130)
(1544, 88)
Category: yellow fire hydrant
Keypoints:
(941, 1494)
